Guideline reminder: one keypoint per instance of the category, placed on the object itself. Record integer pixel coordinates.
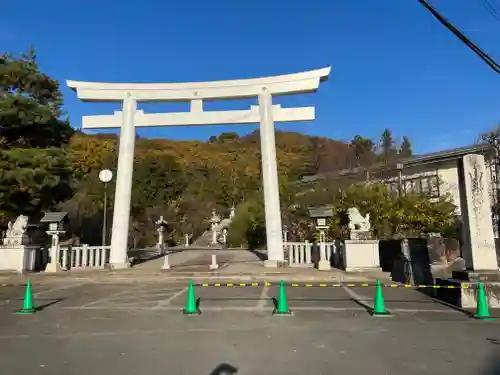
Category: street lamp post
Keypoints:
(105, 176)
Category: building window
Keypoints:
(433, 186)
(428, 185)
(393, 187)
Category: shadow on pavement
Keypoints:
(41, 307)
(259, 254)
(224, 369)
(494, 367)
(431, 294)
(493, 341)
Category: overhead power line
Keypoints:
(492, 8)
(487, 59)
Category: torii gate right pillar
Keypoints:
(274, 237)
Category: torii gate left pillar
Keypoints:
(265, 113)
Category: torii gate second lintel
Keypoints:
(265, 113)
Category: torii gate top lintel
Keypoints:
(303, 82)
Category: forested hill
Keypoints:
(184, 180)
(298, 154)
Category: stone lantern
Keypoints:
(285, 233)
(161, 224)
(56, 228)
(214, 221)
(320, 215)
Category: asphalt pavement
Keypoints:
(138, 328)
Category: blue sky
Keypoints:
(393, 64)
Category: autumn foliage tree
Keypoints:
(392, 216)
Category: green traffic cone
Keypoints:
(379, 308)
(282, 303)
(28, 301)
(482, 312)
(191, 303)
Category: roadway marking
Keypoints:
(264, 296)
(106, 298)
(362, 300)
(450, 311)
(167, 302)
(251, 309)
(56, 289)
(38, 294)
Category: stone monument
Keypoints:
(16, 252)
(477, 229)
(478, 247)
(360, 251)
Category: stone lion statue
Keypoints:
(19, 226)
(358, 222)
(16, 234)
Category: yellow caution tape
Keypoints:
(338, 285)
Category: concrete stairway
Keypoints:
(205, 240)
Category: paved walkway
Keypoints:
(131, 329)
(194, 264)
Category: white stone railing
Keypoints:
(328, 249)
(83, 256)
(299, 253)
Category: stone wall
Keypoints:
(443, 250)
(448, 179)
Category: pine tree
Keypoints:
(33, 169)
(363, 149)
(30, 105)
(387, 145)
(405, 148)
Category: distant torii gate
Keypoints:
(195, 92)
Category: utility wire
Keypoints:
(492, 8)
(487, 59)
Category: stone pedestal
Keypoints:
(214, 265)
(166, 264)
(361, 255)
(324, 265)
(53, 266)
(476, 276)
(271, 263)
(465, 292)
(20, 258)
(324, 258)
(120, 266)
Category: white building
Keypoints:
(435, 173)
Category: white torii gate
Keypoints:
(195, 92)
